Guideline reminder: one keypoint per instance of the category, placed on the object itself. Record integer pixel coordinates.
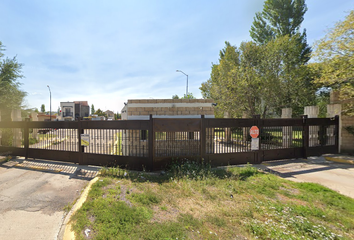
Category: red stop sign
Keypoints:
(254, 131)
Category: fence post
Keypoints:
(151, 144)
(26, 137)
(305, 136)
(334, 110)
(202, 138)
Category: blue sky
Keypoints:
(106, 52)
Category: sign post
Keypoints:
(254, 132)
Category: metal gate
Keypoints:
(151, 144)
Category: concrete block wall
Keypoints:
(347, 138)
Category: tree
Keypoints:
(253, 79)
(188, 96)
(99, 112)
(11, 97)
(92, 109)
(280, 18)
(42, 108)
(334, 66)
(117, 116)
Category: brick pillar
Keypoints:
(332, 111)
(312, 112)
(17, 134)
(287, 130)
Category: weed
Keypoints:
(194, 201)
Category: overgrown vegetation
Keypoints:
(194, 201)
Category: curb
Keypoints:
(339, 160)
(68, 233)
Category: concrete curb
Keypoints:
(339, 160)
(68, 234)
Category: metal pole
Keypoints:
(187, 81)
(187, 87)
(50, 104)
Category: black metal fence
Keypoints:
(151, 144)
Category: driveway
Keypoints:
(33, 195)
(336, 176)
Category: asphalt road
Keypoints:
(33, 195)
(336, 176)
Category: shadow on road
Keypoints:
(294, 167)
(75, 171)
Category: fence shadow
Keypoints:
(69, 169)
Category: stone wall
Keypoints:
(347, 138)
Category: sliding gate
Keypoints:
(151, 144)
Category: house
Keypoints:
(70, 111)
(134, 141)
(110, 115)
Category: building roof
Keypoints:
(82, 103)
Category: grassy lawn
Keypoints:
(193, 201)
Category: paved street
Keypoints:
(33, 195)
(336, 176)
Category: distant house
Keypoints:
(110, 115)
(73, 110)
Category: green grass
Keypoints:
(193, 201)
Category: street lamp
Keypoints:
(50, 106)
(187, 81)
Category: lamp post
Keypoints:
(50, 106)
(187, 81)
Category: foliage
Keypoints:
(322, 100)
(259, 79)
(188, 96)
(42, 108)
(350, 129)
(92, 109)
(99, 112)
(282, 18)
(11, 97)
(117, 116)
(334, 55)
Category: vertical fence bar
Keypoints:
(202, 137)
(26, 137)
(305, 136)
(151, 144)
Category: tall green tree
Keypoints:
(280, 18)
(11, 97)
(42, 108)
(251, 79)
(334, 61)
(92, 109)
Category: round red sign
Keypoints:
(254, 131)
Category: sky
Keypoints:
(106, 52)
